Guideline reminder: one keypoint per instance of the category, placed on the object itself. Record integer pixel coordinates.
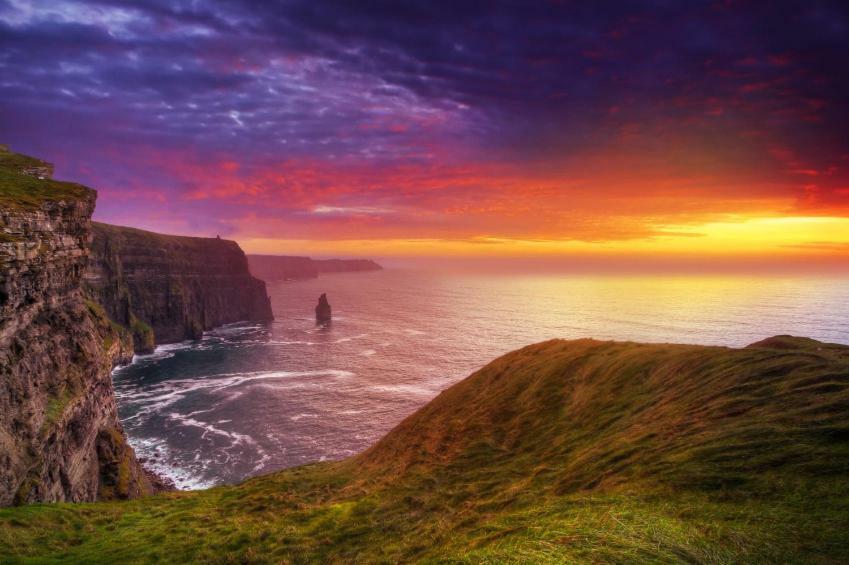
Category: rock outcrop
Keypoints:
(169, 288)
(273, 268)
(60, 439)
(322, 310)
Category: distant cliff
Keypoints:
(278, 267)
(282, 267)
(169, 288)
(345, 265)
(60, 439)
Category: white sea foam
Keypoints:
(236, 439)
(351, 338)
(208, 428)
(161, 352)
(407, 390)
(156, 398)
(159, 459)
(234, 328)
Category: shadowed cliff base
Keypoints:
(561, 451)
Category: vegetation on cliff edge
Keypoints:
(561, 451)
(28, 192)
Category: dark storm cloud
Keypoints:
(534, 68)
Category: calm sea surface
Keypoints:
(249, 399)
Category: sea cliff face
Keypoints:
(60, 439)
(282, 267)
(170, 288)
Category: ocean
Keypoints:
(250, 399)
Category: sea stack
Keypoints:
(322, 311)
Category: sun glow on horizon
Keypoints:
(821, 238)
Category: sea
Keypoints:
(249, 399)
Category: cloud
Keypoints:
(350, 210)
(599, 121)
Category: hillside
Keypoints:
(561, 451)
(26, 183)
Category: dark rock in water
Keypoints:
(160, 483)
(322, 311)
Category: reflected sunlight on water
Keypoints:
(249, 399)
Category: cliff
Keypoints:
(345, 265)
(282, 267)
(60, 439)
(561, 452)
(170, 288)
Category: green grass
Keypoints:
(143, 335)
(109, 329)
(56, 408)
(122, 235)
(20, 191)
(578, 451)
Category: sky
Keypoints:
(678, 133)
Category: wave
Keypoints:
(427, 390)
(297, 417)
(159, 459)
(350, 338)
(154, 398)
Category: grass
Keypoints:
(25, 192)
(109, 329)
(122, 235)
(578, 451)
(56, 408)
(143, 335)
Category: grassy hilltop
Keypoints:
(22, 189)
(568, 451)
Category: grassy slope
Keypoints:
(564, 450)
(19, 191)
(135, 236)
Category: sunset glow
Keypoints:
(714, 131)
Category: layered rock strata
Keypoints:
(169, 288)
(60, 439)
